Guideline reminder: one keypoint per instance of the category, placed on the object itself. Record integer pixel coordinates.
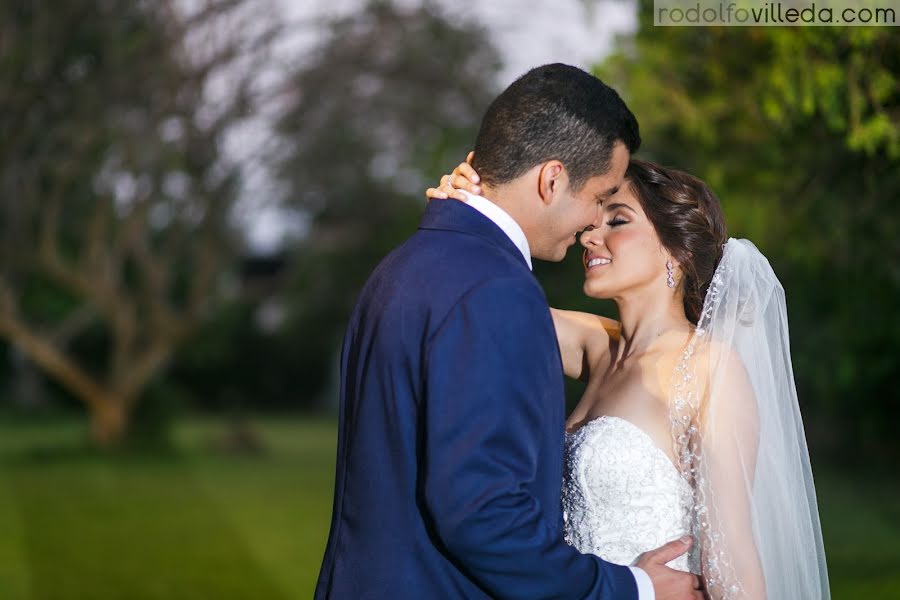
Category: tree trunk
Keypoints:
(109, 411)
(109, 423)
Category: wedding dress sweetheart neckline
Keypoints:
(622, 495)
(637, 429)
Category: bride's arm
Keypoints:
(583, 340)
(729, 447)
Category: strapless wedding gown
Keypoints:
(622, 496)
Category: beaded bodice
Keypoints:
(622, 496)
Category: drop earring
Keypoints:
(670, 274)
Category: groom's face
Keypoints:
(571, 212)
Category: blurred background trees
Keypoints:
(125, 278)
(391, 98)
(126, 275)
(115, 196)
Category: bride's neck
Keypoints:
(646, 322)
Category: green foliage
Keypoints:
(797, 131)
(846, 77)
(233, 365)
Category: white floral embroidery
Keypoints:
(622, 496)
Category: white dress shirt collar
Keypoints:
(501, 219)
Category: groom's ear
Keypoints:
(552, 180)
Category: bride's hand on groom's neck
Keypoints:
(462, 178)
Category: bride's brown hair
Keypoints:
(688, 219)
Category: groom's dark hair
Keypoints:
(553, 112)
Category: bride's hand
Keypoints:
(463, 177)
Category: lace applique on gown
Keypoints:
(622, 496)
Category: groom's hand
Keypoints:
(670, 584)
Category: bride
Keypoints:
(689, 422)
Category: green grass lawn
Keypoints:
(198, 524)
(201, 524)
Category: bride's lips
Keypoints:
(593, 261)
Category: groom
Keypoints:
(450, 450)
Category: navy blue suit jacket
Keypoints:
(452, 415)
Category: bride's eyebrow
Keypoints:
(619, 205)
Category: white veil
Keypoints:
(739, 440)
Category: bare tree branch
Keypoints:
(46, 354)
(77, 321)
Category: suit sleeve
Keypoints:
(492, 374)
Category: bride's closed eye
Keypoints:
(616, 222)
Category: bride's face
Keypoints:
(624, 254)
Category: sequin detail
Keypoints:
(622, 496)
